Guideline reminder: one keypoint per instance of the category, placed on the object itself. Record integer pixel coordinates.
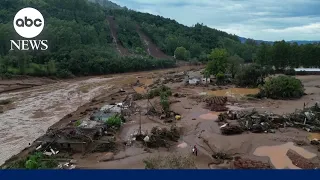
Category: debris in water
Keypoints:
(278, 154)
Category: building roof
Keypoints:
(308, 69)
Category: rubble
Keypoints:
(216, 103)
(160, 137)
(255, 122)
(231, 130)
(300, 161)
(240, 163)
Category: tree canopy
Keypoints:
(81, 42)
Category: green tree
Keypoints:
(250, 76)
(234, 63)
(218, 61)
(283, 87)
(181, 53)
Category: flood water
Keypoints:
(140, 90)
(210, 116)
(314, 136)
(38, 108)
(234, 92)
(278, 154)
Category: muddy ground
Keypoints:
(26, 122)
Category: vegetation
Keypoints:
(164, 102)
(181, 53)
(79, 38)
(35, 161)
(218, 61)
(114, 121)
(284, 54)
(164, 90)
(172, 161)
(290, 72)
(234, 63)
(220, 78)
(78, 123)
(80, 43)
(282, 87)
(251, 75)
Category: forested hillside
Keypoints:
(79, 39)
(81, 43)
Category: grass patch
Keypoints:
(114, 122)
(35, 161)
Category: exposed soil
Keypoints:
(198, 124)
(151, 48)
(113, 28)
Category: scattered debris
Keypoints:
(307, 119)
(240, 163)
(231, 130)
(300, 161)
(216, 103)
(106, 157)
(160, 137)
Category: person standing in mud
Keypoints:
(195, 150)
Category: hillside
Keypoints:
(299, 42)
(99, 37)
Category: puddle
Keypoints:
(210, 116)
(278, 154)
(182, 145)
(146, 82)
(140, 90)
(234, 92)
(313, 136)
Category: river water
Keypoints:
(36, 109)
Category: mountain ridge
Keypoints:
(299, 42)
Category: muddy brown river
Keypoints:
(36, 109)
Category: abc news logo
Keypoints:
(29, 23)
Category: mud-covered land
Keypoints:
(66, 106)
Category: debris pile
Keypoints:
(216, 103)
(220, 157)
(300, 161)
(240, 163)
(173, 79)
(230, 129)
(161, 137)
(307, 119)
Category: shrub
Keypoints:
(164, 102)
(114, 121)
(35, 161)
(78, 123)
(290, 72)
(282, 87)
(157, 91)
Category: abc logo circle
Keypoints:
(28, 22)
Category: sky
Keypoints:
(268, 20)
